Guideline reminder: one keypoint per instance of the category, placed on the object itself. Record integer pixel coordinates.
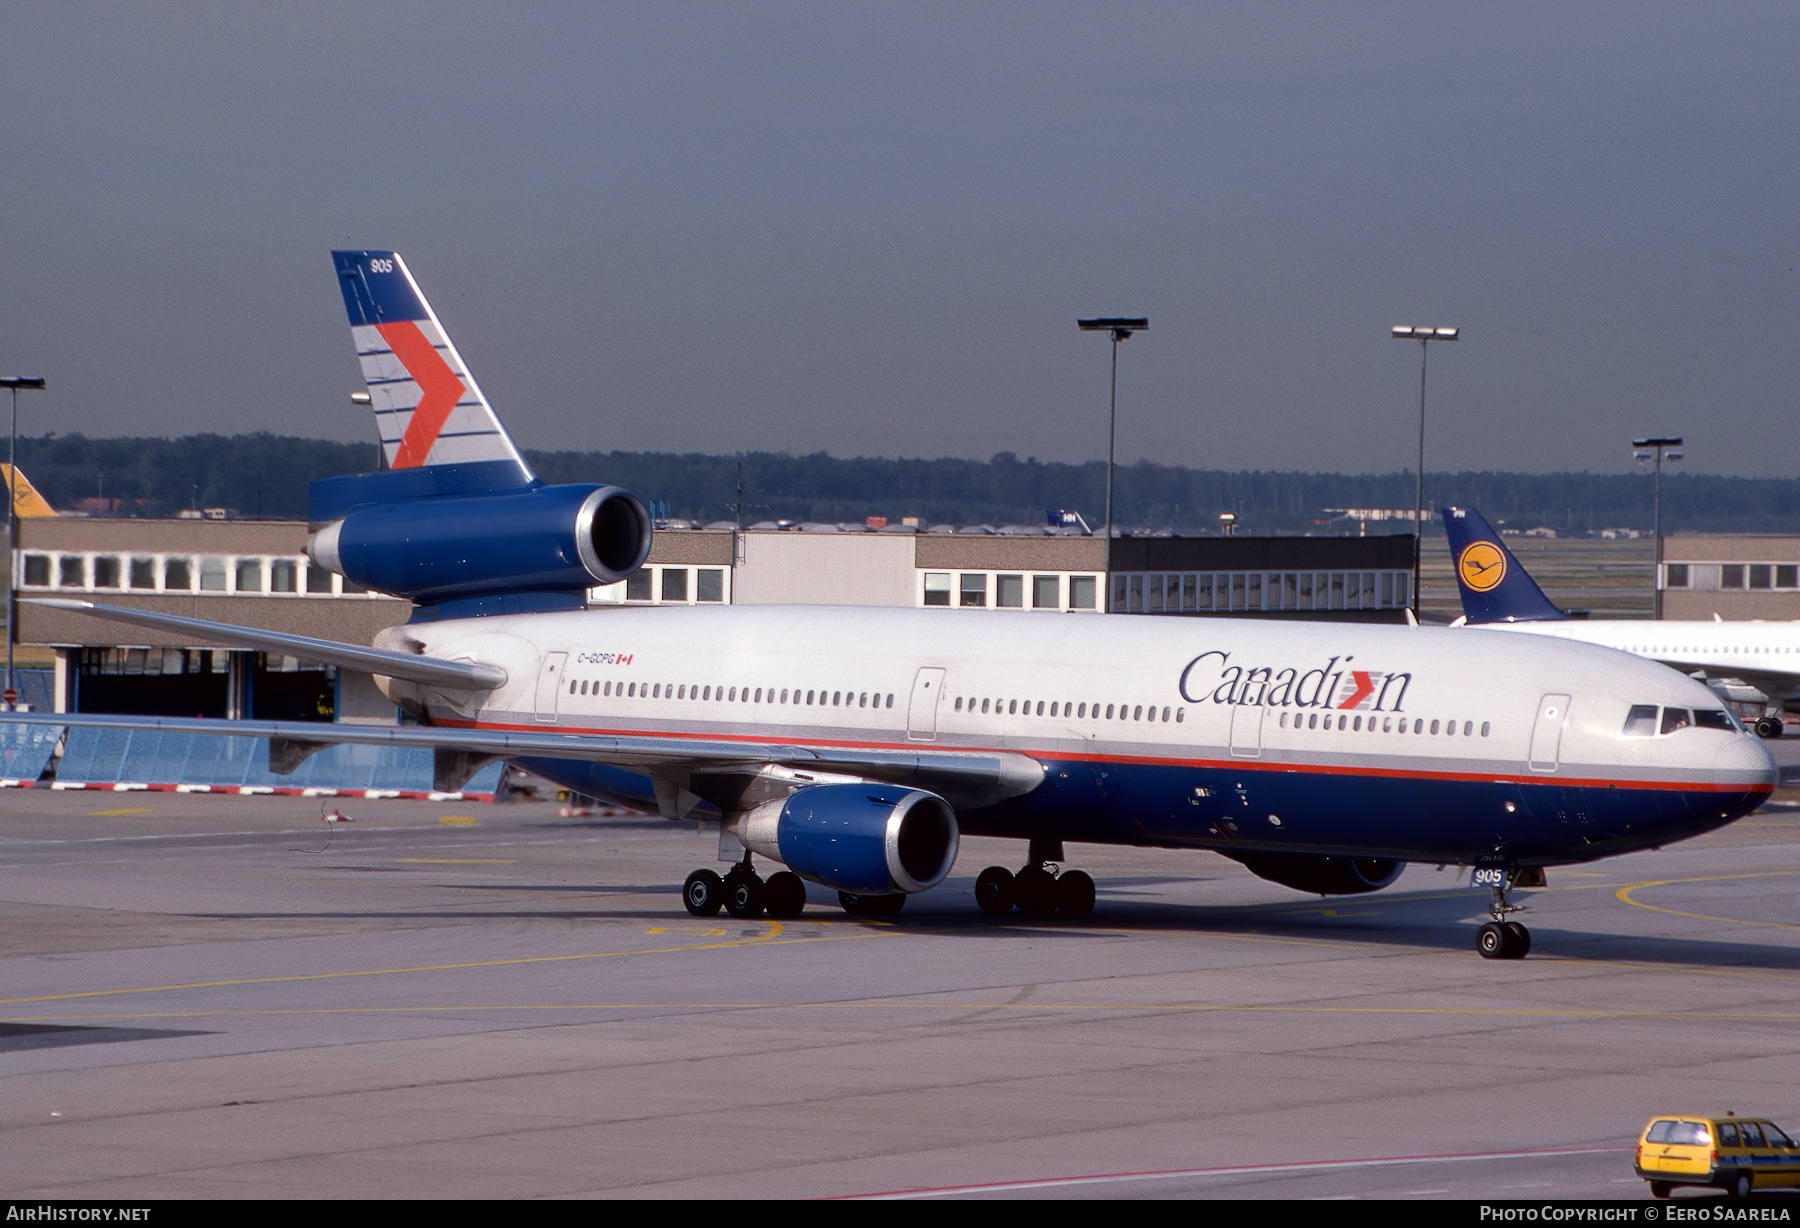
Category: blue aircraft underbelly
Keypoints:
(1230, 807)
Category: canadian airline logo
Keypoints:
(1334, 685)
(439, 390)
(1481, 566)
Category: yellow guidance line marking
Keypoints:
(1623, 895)
(107, 814)
(457, 820)
(1771, 1017)
(772, 937)
(459, 861)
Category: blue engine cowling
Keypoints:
(867, 839)
(538, 538)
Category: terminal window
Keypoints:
(1044, 594)
(177, 575)
(37, 570)
(937, 588)
(711, 586)
(1009, 591)
(674, 583)
(1081, 592)
(974, 589)
(106, 571)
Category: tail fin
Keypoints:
(1494, 588)
(26, 500)
(428, 408)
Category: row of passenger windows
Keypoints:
(183, 573)
(1355, 724)
(1641, 721)
(1017, 707)
(730, 695)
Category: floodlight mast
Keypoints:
(14, 383)
(1657, 448)
(1424, 335)
(1121, 328)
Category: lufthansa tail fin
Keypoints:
(1494, 588)
(429, 411)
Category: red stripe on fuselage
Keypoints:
(1236, 765)
(439, 390)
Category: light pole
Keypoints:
(1121, 330)
(1657, 449)
(15, 383)
(1424, 335)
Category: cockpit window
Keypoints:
(1640, 722)
(1674, 718)
(1712, 719)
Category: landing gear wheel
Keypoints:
(1521, 940)
(1661, 1189)
(994, 890)
(1740, 1187)
(1034, 891)
(1492, 940)
(1074, 894)
(744, 894)
(703, 893)
(1768, 727)
(784, 895)
(871, 905)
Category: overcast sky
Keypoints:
(869, 229)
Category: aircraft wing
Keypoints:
(966, 780)
(432, 671)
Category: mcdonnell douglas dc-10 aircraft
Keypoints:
(854, 746)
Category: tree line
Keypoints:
(266, 475)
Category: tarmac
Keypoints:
(219, 996)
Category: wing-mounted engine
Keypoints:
(865, 838)
(1321, 875)
(528, 548)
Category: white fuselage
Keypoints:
(1399, 728)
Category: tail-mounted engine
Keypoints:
(867, 839)
(536, 539)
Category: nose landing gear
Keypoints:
(1039, 889)
(1500, 938)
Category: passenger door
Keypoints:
(1546, 732)
(1246, 731)
(922, 710)
(549, 687)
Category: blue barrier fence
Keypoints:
(25, 750)
(125, 756)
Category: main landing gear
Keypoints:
(1500, 938)
(1038, 890)
(744, 894)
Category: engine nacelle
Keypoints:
(1322, 875)
(542, 538)
(867, 839)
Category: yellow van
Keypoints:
(1731, 1153)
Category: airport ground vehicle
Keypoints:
(854, 745)
(1734, 1154)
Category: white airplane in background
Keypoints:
(855, 746)
(1498, 595)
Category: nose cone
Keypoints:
(1747, 761)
